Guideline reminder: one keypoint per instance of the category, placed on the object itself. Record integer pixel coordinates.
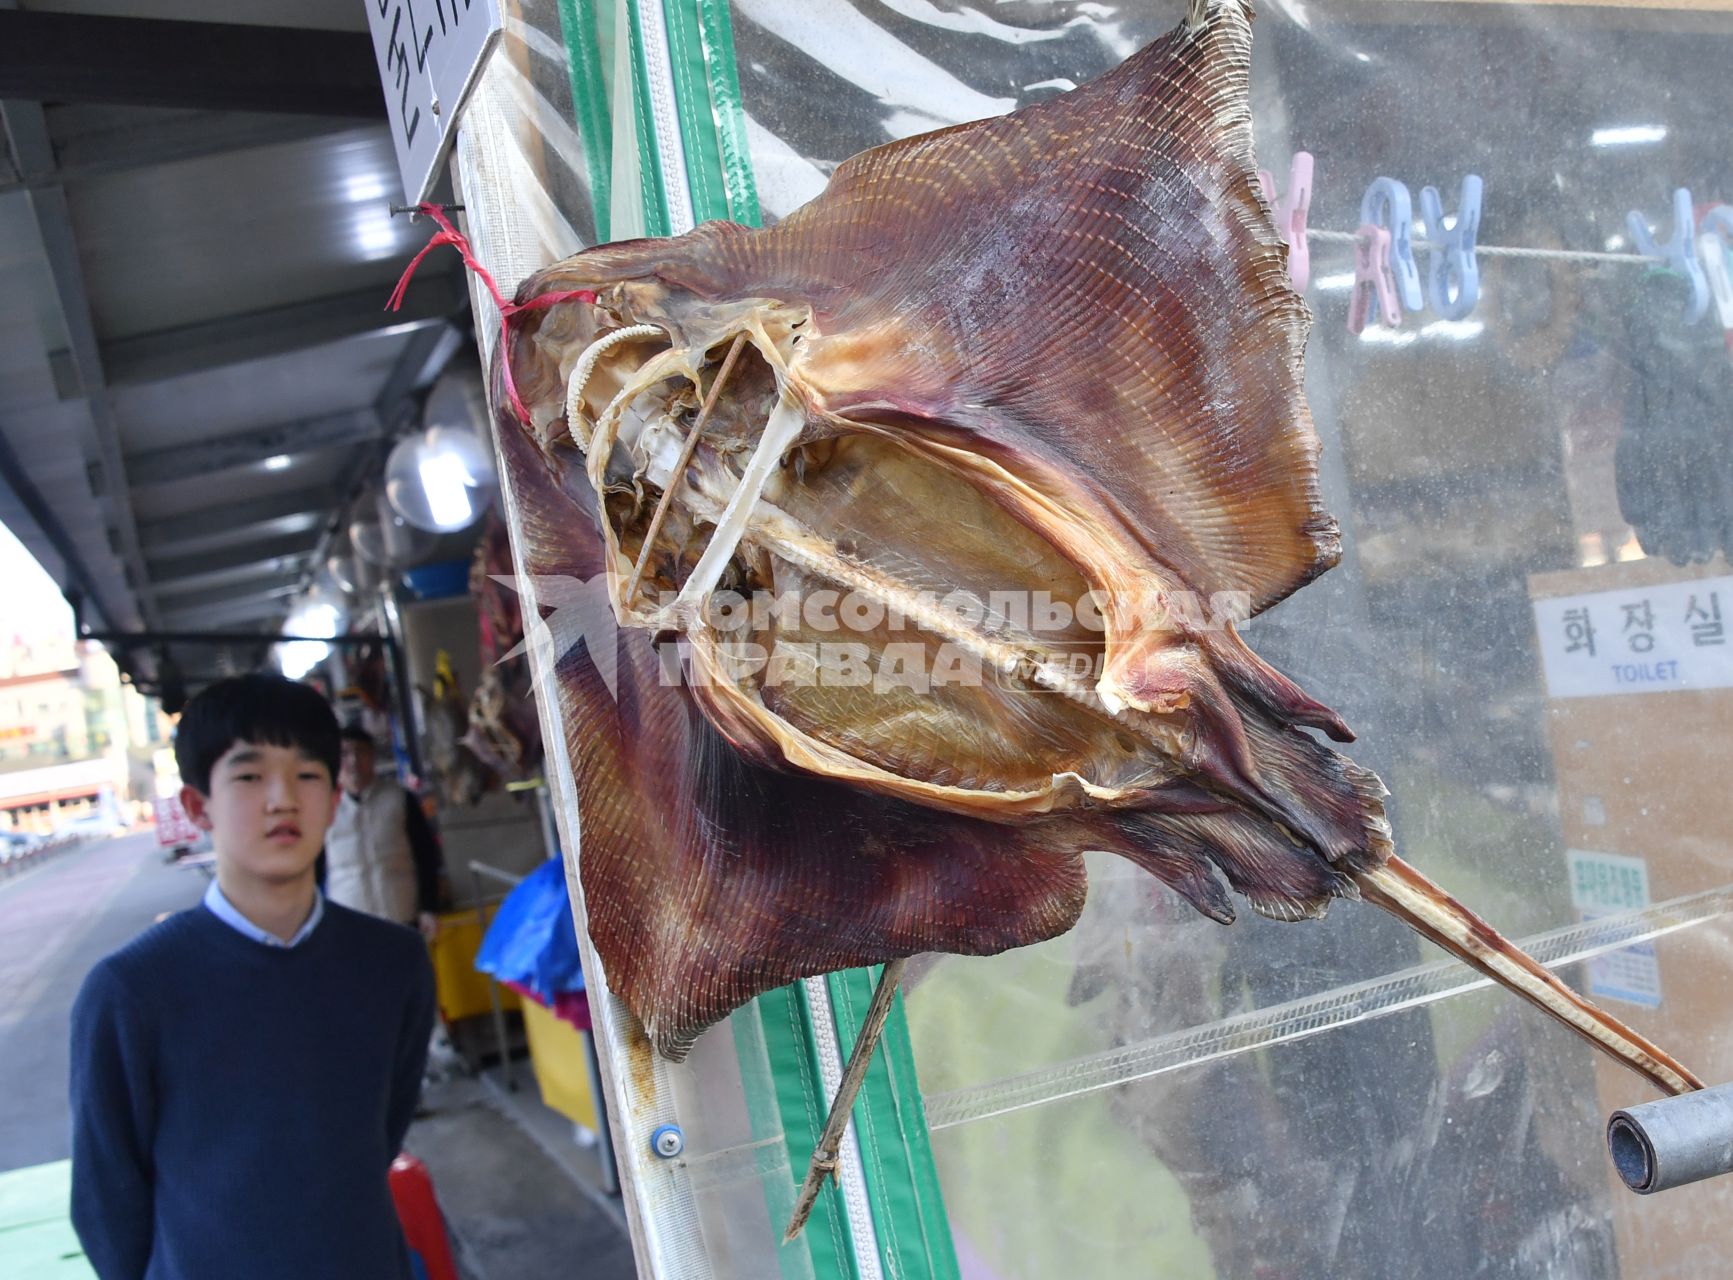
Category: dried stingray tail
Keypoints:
(1435, 915)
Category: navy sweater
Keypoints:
(236, 1107)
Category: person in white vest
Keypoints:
(381, 855)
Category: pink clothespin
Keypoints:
(1373, 281)
(1291, 214)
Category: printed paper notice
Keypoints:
(1638, 639)
(1605, 884)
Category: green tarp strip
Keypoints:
(786, 1018)
(590, 104)
(902, 1181)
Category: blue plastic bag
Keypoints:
(532, 941)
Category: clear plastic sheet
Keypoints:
(529, 176)
(1154, 1094)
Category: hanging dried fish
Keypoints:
(1050, 358)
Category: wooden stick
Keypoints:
(824, 1154)
(680, 465)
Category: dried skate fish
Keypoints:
(1052, 356)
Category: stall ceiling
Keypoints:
(197, 370)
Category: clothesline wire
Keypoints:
(1506, 251)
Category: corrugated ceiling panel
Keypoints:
(280, 225)
(257, 393)
(243, 484)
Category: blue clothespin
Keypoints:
(1453, 250)
(1387, 204)
(1679, 253)
(1714, 240)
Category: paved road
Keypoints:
(56, 921)
(512, 1210)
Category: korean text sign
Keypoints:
(1638, 639)
(430, 53)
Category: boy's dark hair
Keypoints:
(355, 733)
(268, 710)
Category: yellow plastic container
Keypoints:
(559, 1054)
(462, 991)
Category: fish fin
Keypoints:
(1107, 312)
(1172, 854)
(1278, 876)
(1431, 912)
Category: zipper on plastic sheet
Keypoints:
(883, 1215)
(902, 1180)
(664, 197)
(850, 1177)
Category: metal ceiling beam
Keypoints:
(217, 599)
(264, 557)
(221, 608)
(241, 576)
(27, 132)
(212, 66)
(169, 353)
(418, 367)
(134, 639)
(269, 614)
(252, 448)
(238, 522)
(155, 142)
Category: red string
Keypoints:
(448, 234)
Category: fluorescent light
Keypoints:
(1628, 135)
(361, 187)
(375, 237)
(277, 462)
(1455, 330)
(1451, 330)
(1343, 280)
(446, 481)
(298, 657)
(1377, 335)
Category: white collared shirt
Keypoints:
(219, 906)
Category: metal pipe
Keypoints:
(502, 1042)
(1669, 1143)
(138, 639)
(406, 709)
(495, 873)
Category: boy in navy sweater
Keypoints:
(243, 1073)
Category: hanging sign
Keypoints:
(430, 54)
(1638, 639)
(173, 827)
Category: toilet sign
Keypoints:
(430, 54)
(1638, 639)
